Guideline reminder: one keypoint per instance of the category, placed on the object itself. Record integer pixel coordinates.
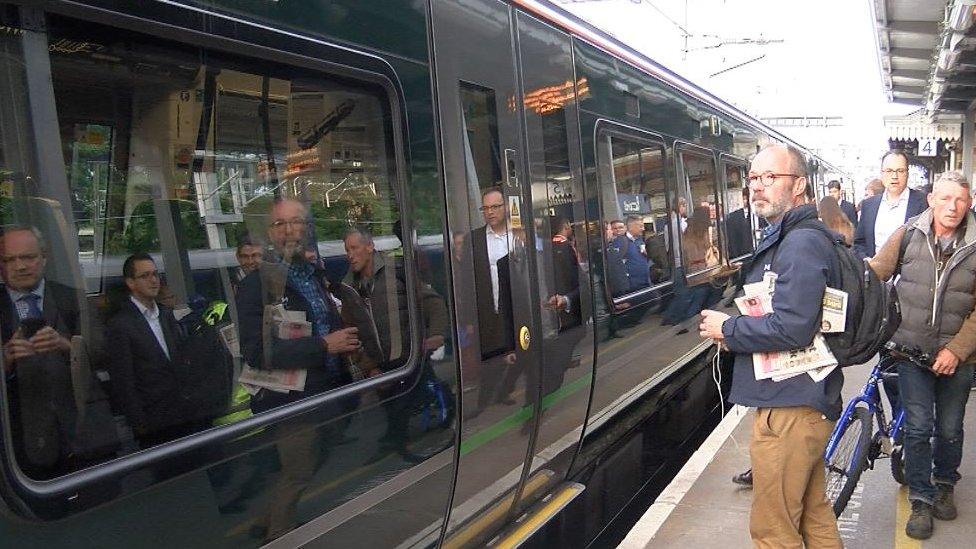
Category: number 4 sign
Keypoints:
(927, 146)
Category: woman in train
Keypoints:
(834, 218)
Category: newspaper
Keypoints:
(228, 335)
(816, 360)
(284, 324)
(281, 381)
(834, 318)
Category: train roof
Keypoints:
(585, 31)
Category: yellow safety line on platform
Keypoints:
(902, 541)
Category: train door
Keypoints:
(497, 244)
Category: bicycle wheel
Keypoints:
(849, 459)
(898, 465)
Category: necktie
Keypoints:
(33, 309)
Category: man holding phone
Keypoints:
(37, 318)
(935, 253)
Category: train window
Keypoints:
(698, 214)
(636, 218)
(218, 227)
(739, 226)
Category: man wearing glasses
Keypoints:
(794, 417)
(490, 245)
(883, 213)
(290, 281)
(145, 359)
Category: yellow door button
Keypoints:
(524, 338)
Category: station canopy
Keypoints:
(927, 52)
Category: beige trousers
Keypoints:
(789, 507)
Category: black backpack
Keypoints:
(873, 315)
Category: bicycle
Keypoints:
(854, 446)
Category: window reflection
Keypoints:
(186, 306)
(637, 232)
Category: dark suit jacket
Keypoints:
(300, 353)
(40, 390)
(864, 244)
(146, 382)
(739, 233)
(617, 279)
(495, 330)
(565, 267)
(850, 211)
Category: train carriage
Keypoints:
(171, 127)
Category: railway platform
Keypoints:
(702, 508)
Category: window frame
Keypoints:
(725, 160)
(250, 42)
(681, 148)
(604, 131)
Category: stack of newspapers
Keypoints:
(816, 360)
(283, 324)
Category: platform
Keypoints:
(701, 508)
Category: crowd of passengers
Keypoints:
(169, 371)
(927, 244)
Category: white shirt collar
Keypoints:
(902, 198)
(146, 311)
(496, 235)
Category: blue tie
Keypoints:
(33, 310)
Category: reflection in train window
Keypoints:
(700, 238)
(739, 226)
(637, 225)
(127, 320)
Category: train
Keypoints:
(169, 126)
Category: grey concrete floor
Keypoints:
(714, 513)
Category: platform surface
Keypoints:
(703, 509)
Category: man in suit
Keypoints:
(145, 362)
(490, 245)
(292, 282)
(883, 213)
(738, 226)
(833, 189)
(37, 317)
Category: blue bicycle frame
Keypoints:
(870, 397)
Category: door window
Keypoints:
(698, 216)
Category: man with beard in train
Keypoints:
(794, 417)
(290, 282)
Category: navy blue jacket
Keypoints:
(804, 262)
(850, 212)
(636, 264)
(864, 244)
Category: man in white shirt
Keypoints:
(145, 359)
(883, 213)
(490, 245)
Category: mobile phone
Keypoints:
(30, 326)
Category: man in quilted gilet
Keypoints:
(936, 296)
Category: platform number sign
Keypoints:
(927, 147)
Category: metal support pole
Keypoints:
(968, 127)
